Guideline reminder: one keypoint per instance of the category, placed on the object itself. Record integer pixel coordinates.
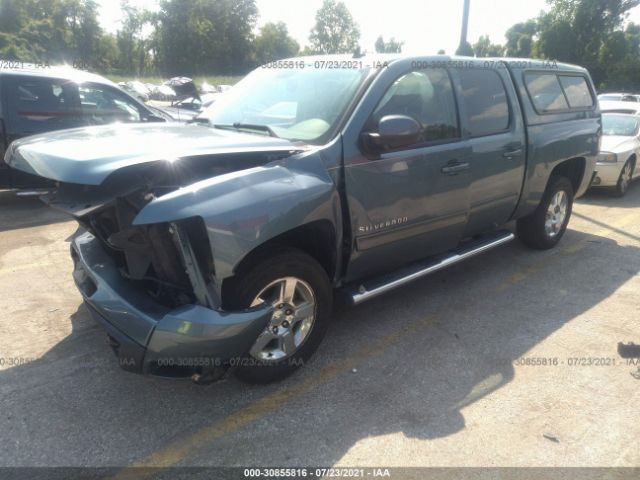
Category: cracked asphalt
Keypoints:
(509, 359)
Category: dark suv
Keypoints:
(36, 100)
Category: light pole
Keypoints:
(465, 26)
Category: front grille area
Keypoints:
(147, 256)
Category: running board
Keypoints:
(377, 286)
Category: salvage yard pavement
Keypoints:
(508, 359)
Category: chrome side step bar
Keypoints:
(372, 288)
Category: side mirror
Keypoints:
(394, 131)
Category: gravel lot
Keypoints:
(444, 372)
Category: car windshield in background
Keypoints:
(621, 125)
(302, 104)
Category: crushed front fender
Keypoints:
(150, 338)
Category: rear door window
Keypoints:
(577, 91)
(485, 100)
(546, 92)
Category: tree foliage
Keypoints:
(274, 43)
(465, 49)
(590, 33)
(50, 30)
(196, 37)
(199, 36)
(335, 31)
(484, 48)
(392, 46)
(520, 39)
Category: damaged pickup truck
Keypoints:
(219, 245)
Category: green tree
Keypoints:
(50, 31)
(587, 33)
(335, 30)
(465, 49)
(274, 43)
(575, 30)
(12, 16)
(520, 39)
(203, 36)
(109, 55)
(484, 48)
(392, 46)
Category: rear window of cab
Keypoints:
(553, 93)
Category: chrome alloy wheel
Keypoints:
(556, 213)
(292, 320)
(625, 177)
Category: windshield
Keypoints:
(302, 104)
(621, 125)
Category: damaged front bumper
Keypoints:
(149, 338)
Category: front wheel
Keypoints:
(544, 228)
(297, 288)
(624, 180)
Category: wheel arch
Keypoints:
(573, 169)
(634, 159)
(318, 239)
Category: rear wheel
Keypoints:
(624, 180)
(297, 288)
(544, 228)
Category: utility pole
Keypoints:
(465, 26)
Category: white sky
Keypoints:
(425, 26)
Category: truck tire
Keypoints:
(544, 228)
(298, 288)
(624, 180)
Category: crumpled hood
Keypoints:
(89, 155)
(617, 143)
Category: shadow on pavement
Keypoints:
(24, 212)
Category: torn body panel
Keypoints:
(243, 210)
(160, 237)
(150, 338)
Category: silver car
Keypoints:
(619, 150)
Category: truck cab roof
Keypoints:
(368, 59)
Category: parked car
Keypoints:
(187, 109)
(137, 89)
(219, 245)
(163, 92)
(38, 100)
(628, 108)
(184, 87)
(619, 151)
(618, 97)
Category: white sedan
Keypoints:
(630, 108)
(619, 151)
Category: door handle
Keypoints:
(512, 153)
(453, 168)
